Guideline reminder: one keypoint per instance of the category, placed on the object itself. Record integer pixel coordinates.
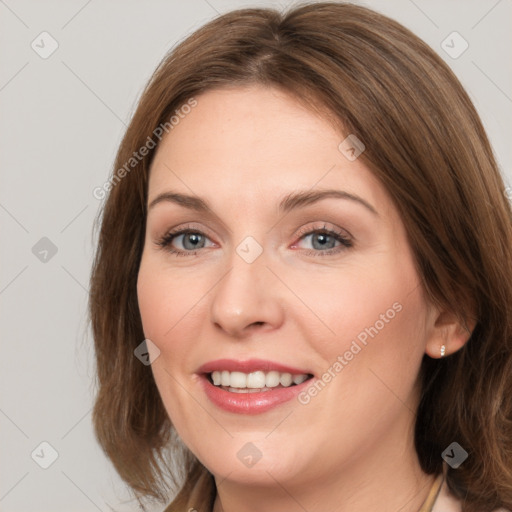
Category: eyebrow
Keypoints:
(288, 203)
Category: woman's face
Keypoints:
(266, 284)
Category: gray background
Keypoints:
(61, 121)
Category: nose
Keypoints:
(248, 298)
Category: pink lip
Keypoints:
(251, 365)
(249, 403)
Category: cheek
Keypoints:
(381, 337)
(164, 297)
(359, 302)
(170, 304)
(373, 316)
(152, 303)
(372, 363)
(162, 303)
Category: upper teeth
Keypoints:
(257, 379)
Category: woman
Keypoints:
(257, 375)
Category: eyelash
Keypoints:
(346, 242)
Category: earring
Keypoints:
(443, 350)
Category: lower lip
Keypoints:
(250, 403)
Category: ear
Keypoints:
(446, 329)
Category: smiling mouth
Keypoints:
(255, 382)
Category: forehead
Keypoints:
(253, 143)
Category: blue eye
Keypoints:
(323, 243)
(194, 240)
(323, 240)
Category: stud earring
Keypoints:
(443, 350)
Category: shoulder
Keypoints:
(447, 502)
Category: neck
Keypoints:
(387, 477)
(406, 490)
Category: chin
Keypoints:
(253, 459)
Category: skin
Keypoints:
(351, 447)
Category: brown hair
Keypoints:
(425, 142)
